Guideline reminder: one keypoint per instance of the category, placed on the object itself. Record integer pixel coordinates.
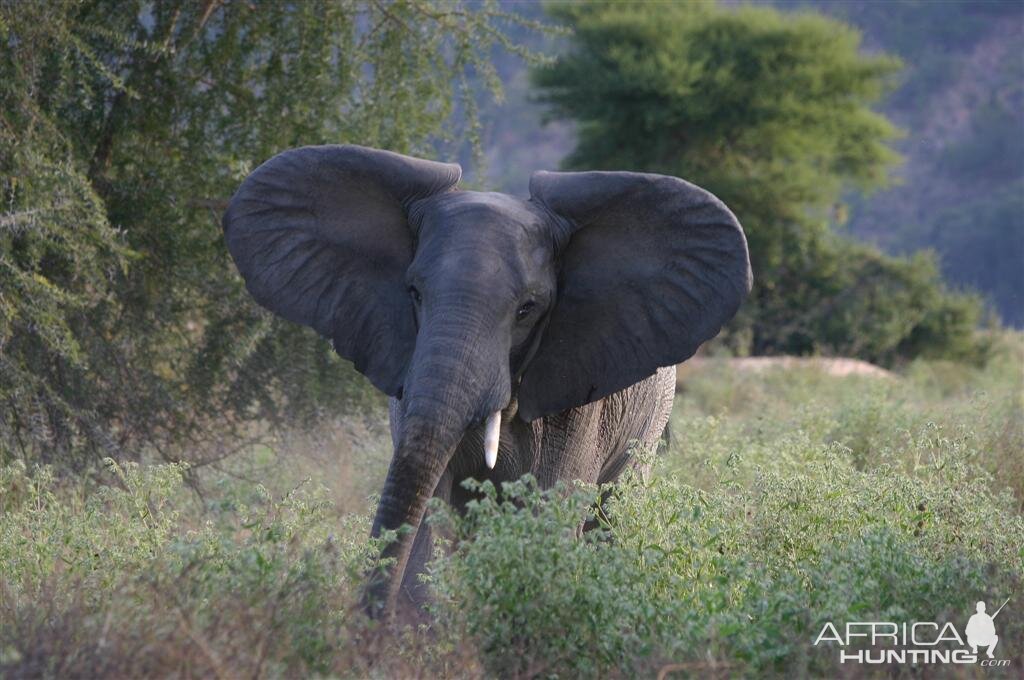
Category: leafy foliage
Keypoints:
(785, 500)
(851, 300)
(729, 424)
(771, 112)
(725, 579)
(125, 128)
(136, 547)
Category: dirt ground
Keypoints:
(832, 366)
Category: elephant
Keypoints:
(512, 335)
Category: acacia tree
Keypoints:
(770, 111)
(124, 129)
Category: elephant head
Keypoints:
(455, 302)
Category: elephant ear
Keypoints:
(320, 235)
(653, 267)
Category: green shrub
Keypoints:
(738, 578)
(787, 499)
(138, 575)
(728, 422)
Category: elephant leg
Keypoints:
(640, 420)
(637, 424)
(571, 446)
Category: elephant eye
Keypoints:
(525, 309)
(416, 297)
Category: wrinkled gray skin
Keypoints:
(559, 311)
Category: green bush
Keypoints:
(729, 423)
(842, 298)
(179, 579)
(738, 578)
(786, 499)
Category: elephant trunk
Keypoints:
(451, 385)
(416, 469)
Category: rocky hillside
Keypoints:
(961, 104)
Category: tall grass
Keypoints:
(784, 500)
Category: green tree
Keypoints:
(124, 128)
(771, 112)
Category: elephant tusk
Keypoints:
(491, 435)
